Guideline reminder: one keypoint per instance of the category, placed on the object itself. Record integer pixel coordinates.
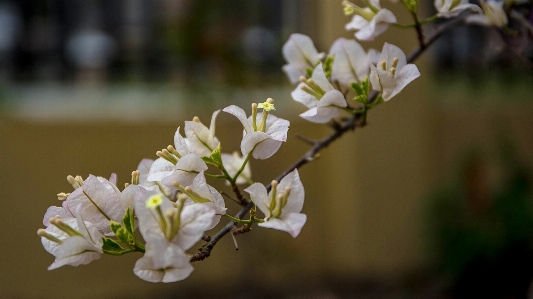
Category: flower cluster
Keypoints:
(170, 201)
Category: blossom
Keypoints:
(184, 170)
(232, 164)
(301, 54)
(370, 21)
(97, 201)
(351, 63)
(324, 102)
(201, 139)
(452, 8)
(282, 205)
(263, 139)
(393, 73)
(72, 241)
(199, 192)
(493, 14)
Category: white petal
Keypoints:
(56, 211)
(180, 144)
(277, 128)
(357, 23)
(260, 197)
(213, 122)
(74, 251)
(263, 143)
(320, 78)
(320, 115)
(233, 163)
(113, 179)
(333, 98)
(195, 220)
(159, 169)
(300, 51)
(292, 223)
(249, 141)
(241, 115)
(390, 52)
(350, 63)
(388, 83)
(294, 72)
(404, 77)
(295, 201)
(200, 139)
(303, 97)
(144, 168)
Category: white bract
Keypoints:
(493, 14)
(370, 21)
(262, 137)
(72, 241)
(351, 62)
(199, 192)
(392, 73)
(282, 206)
(452, 8)
(301, 55)
(170, 266)
(232, 164)
(97, 201)
(201, 140)
(185, 170)
(324, 102)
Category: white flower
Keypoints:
(200, 139)
(324, 102)
(493, 14)
(169, 266)
(282, 205)
(232, 164)
(452, 8)
(263, 138)
(72, 241)
(199, 192)
(97, 201)
(369, 22)
(392, 73)
(351, 63)
(300, 54)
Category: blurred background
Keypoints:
(432, 199)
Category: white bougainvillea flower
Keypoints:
(164, 224)
(324, 102)
(301, 55)
(370, 21)
(199, 192)
(351, 63)
(201, 140)
(282, 205)
(392, 73)
(262, 137)
(97, 201)
(452, 8)
(72, 241)
(170, 266)
(493, 14)
(232, 164)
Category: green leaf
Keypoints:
(115, 226)
(361, 99)
(208, 160)
(216, 156)
(309, 72)
(366, 85)
(357, 88)
(128, 221)
(123, 235)
(328, 64)
(111, 245)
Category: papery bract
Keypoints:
(324, 102)
(73, 250)
(300, 54)
(201, 140)
(370, 22)
(282, 206)
(169, 266)
(351, 63)
(97, 201)
(392, 73)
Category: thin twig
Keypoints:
(310, 155)
(305, 139)
(230, 197)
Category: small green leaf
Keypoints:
(111, 245)
(115, 226)
(128, 221)
(123, 235)
(357, 88)
(216, 156)
(328, 64)
(309, 72)
(208, 160)
(366, 85)
(361, 99)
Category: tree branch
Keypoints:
(349, 124)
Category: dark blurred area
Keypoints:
(433, 199)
